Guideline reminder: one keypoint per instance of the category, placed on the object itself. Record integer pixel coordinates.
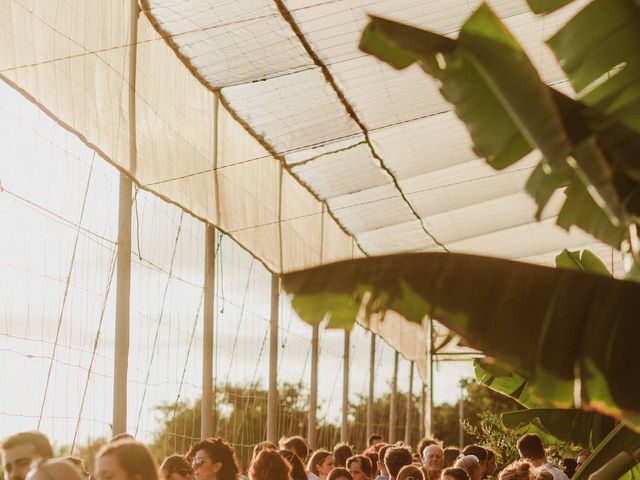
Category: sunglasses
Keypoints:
(197, 462)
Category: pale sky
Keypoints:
(44, 171)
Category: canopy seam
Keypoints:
(288, 17)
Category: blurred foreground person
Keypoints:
(175, 467)
(56, 469)
(518, 470)
(214, 459)
(125, 460)
(530, 448)
(19, 450)
(269, 465)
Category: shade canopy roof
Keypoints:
(263, 117)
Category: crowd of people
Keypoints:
(29, 456)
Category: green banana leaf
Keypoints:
(583, 261)
(551, 326)
(620, 439)
(506, 382)
(508, 111)
(560, 426)
(547, 6)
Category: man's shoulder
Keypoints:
(555, 471)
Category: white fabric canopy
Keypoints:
(315, 152)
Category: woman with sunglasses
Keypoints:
(175, 467)
(213, 459)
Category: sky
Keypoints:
(58, 206)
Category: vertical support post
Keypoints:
(123, 296)
(428, 426)
(123, 263)
(272, 402)
(344, 430)
(409, 412)
(423, 400)
(372, 376)
(461, 418)
(206, 422)
(393, 407)
(313, 391)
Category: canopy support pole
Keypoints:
(428, 418)
(372, 376)
(313, 391)
(409, 411)
(344, 430)
(393, 407)
(272, 401)
(206, 421)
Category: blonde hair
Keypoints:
(518, 470)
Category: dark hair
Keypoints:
(175, 464)
(297, 467)
(218, 450)
(133, 457)
(410, 472)
(269, 465)
(39, 441)
(450, 454)
(298, 444)
(395, 458)
(266, 445)
(382, 452)
(425, 442)
(479, 452)
(374, 438)
(316, 459)
(530, 446)
(364, 462)
(518, 470)
(543, 474)
(341, 452)
(372, 455)
(457, 473)
(338, 472)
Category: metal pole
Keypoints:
(272, 402)
(409, 415)
(344, 430)
(313, 391)
(123, 263)
(461, 418)
(429, 400)
(123, 296)
(372, 376)
(206, 422)
(393, 408)
(423, 399)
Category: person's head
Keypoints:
(480, 453)
(121, 436)
(125, 460)
(80, 466)
(339, 473)
(543, 474)
(452, 473)
(297, 445)
(425, 442)
(381, 453)
(297, 467)
(269, 465)
(360, 467)
(341, 452)
(55, 469)
(450, 454)
(518, 470)
(491, 462)
(266, 445)
(395, 458)
(213, 459)
(175, 467)
(410, 472)
(321, 462)
(373, 439)
(433, 458)
(530, 447)
(372, 454)
(19, 450)
(471, 465)
(582, 457)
